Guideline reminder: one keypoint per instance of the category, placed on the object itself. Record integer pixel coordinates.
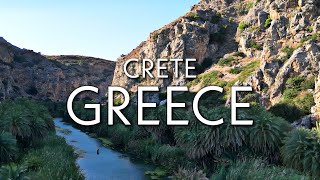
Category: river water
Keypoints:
(108, 165)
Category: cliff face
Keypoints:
(25, 73)
(268, 44)
(190, 36)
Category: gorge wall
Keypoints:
(24, 73)
(272, 45)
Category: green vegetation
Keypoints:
(219, 36)
(28, 147)
(309, 29)
(297, 101)
(216, 18)
(242, 26)
(14, 172)
(287, 111)
(314, 37)
(194, 17)
(268, 22)
(248, 70)
(228, 61)
(235, 70)
(288, 50)
(52, 158)
(197, 150)
(243, 8)
(253, 44)
(8, 147)
(256, 169)
(210, 78)
(156, 34)
(301, 151)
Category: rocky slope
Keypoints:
(25, 73)
(272, 45)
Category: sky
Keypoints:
(98, 28)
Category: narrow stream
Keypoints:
(109, 164)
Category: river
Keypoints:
(108, 165)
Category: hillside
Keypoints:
(25, 73)
(270, 45)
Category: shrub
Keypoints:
(119, 135)
(218, 36)
(14, 172)
(253, 44)
(288, 50)
(228, 61)
(199, 140)
(194, 17)
(266, 134)
(256, 169)
(248, 70)
(314, 37)
(268, 22)
(26, 120)
(169, 156)
(242, 26)
(287, 111)
(240, 54)
(309, 29)
(305, 102)
(8, 147)
(52, 158)
(216, 18)
(235, 70)
(301, 151)
(290, 94)
(193, 174)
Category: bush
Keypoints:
(288, 50)
(268, 22)
(301, 151)
(26, 120)
(169, 156)
(228, 61)
(266, 134)
(314, 37)
(248, 70)
(253, 44)
(235, 70)
(242, 26)
(8, 147)
(216, 18)
(305, 102)
(256, 169)
(287, 111)
(193, 174)
(194, 17)
(218, 36)
(52, 158)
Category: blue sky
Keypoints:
(99, 28)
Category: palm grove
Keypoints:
(269, 148)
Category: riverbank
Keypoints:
(29, 147)
(97, 161)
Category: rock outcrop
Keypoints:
(25, 73)
(282, 36)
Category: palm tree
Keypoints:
(200, 140)
(8, 147)
(14, 172)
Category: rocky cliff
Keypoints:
(25, 73)
(272, 45)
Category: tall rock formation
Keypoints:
(266, 44)
(25, 73)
